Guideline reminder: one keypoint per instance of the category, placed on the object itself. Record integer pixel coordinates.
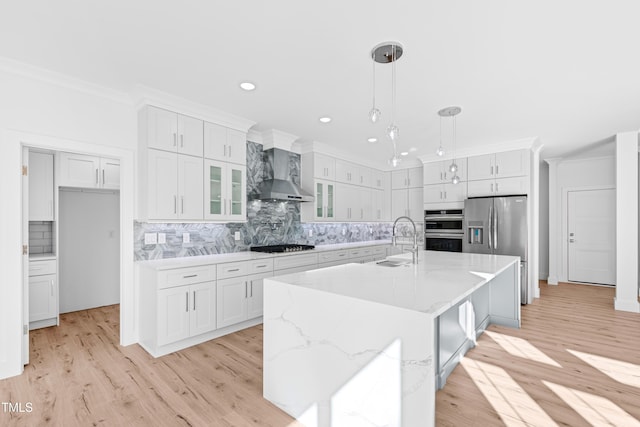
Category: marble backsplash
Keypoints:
(268, 223)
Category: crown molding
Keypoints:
(63, 80)
(254, 136)
(274, 138)
(532, 143)
(144, 95)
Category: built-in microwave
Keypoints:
(443, 230)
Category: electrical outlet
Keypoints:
(186, 237)
(150, 238)
(310, 233)
(162, 238)
(236, 236)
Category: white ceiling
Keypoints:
(567, 71)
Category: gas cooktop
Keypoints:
(282, 248)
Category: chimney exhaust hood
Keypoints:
(281, 187)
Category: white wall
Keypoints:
(89, 249)
(572, 174)
(45, 110)
(543, 252)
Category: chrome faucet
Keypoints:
(414, 250)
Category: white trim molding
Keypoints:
(144, 95)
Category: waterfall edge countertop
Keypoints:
(438, 281)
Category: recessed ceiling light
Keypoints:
(248, 86)
(404, 153)
(413, 149)
(372, 140)
(325, 119)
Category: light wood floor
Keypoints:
(79, 375)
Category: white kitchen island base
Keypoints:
(363, 345)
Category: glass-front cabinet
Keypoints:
(324, 200)
(225, 191)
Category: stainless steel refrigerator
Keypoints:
(498, 225)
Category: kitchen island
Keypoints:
(369, 344)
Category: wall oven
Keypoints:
(443, 230)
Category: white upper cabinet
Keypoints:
(406, 178)
(379, 179)
(224, 144)
(79, 170)
(447, 195)
(40, 173)
(225, 190)
(324, 167)
(175, 186)
(499, 165)
(439, 173)
(170, 131)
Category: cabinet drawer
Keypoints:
(39, 268)
(359, 252)
(292, 261)
(379, 250)
(331, 256)
(260, 266)
(186, 276)
(232, 269)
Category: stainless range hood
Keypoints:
(281, 187)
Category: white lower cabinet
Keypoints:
(186, 311)
(240, 298)
(43, 294)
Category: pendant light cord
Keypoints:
(373, 60)
(393, 84)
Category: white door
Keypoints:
(190, 188)
(203, 308)
(162, 129)
(162, 192)
(237, 146)
(591, 237)
(173, 314)
(79, 170)
(231, 301)
(110, 173)
(190, 136)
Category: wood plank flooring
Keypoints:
(573, 343)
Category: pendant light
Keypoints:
(385, 53)
(440, 150)
(374, 114)
(451, 112)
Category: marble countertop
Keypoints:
(195, 261)
(438, 281)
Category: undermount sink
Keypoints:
(388, 263)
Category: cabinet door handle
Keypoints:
(440, 195)
(194, 300)
(245, 289)
(51, 287)
(497, 187)
(492, 188)
(229, 151)
(251, 289)
(189, 276)
(492, 170)
(97, 177)
(224, 202)
(261, 266)
(175, 204)
(186, 301)
(445, 195)
(497, 170)
(181, 204)
(103, 182)
(233, 269)
(181, 140)
(175, 136)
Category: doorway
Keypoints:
(591, 234)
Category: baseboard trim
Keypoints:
(626, 305)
